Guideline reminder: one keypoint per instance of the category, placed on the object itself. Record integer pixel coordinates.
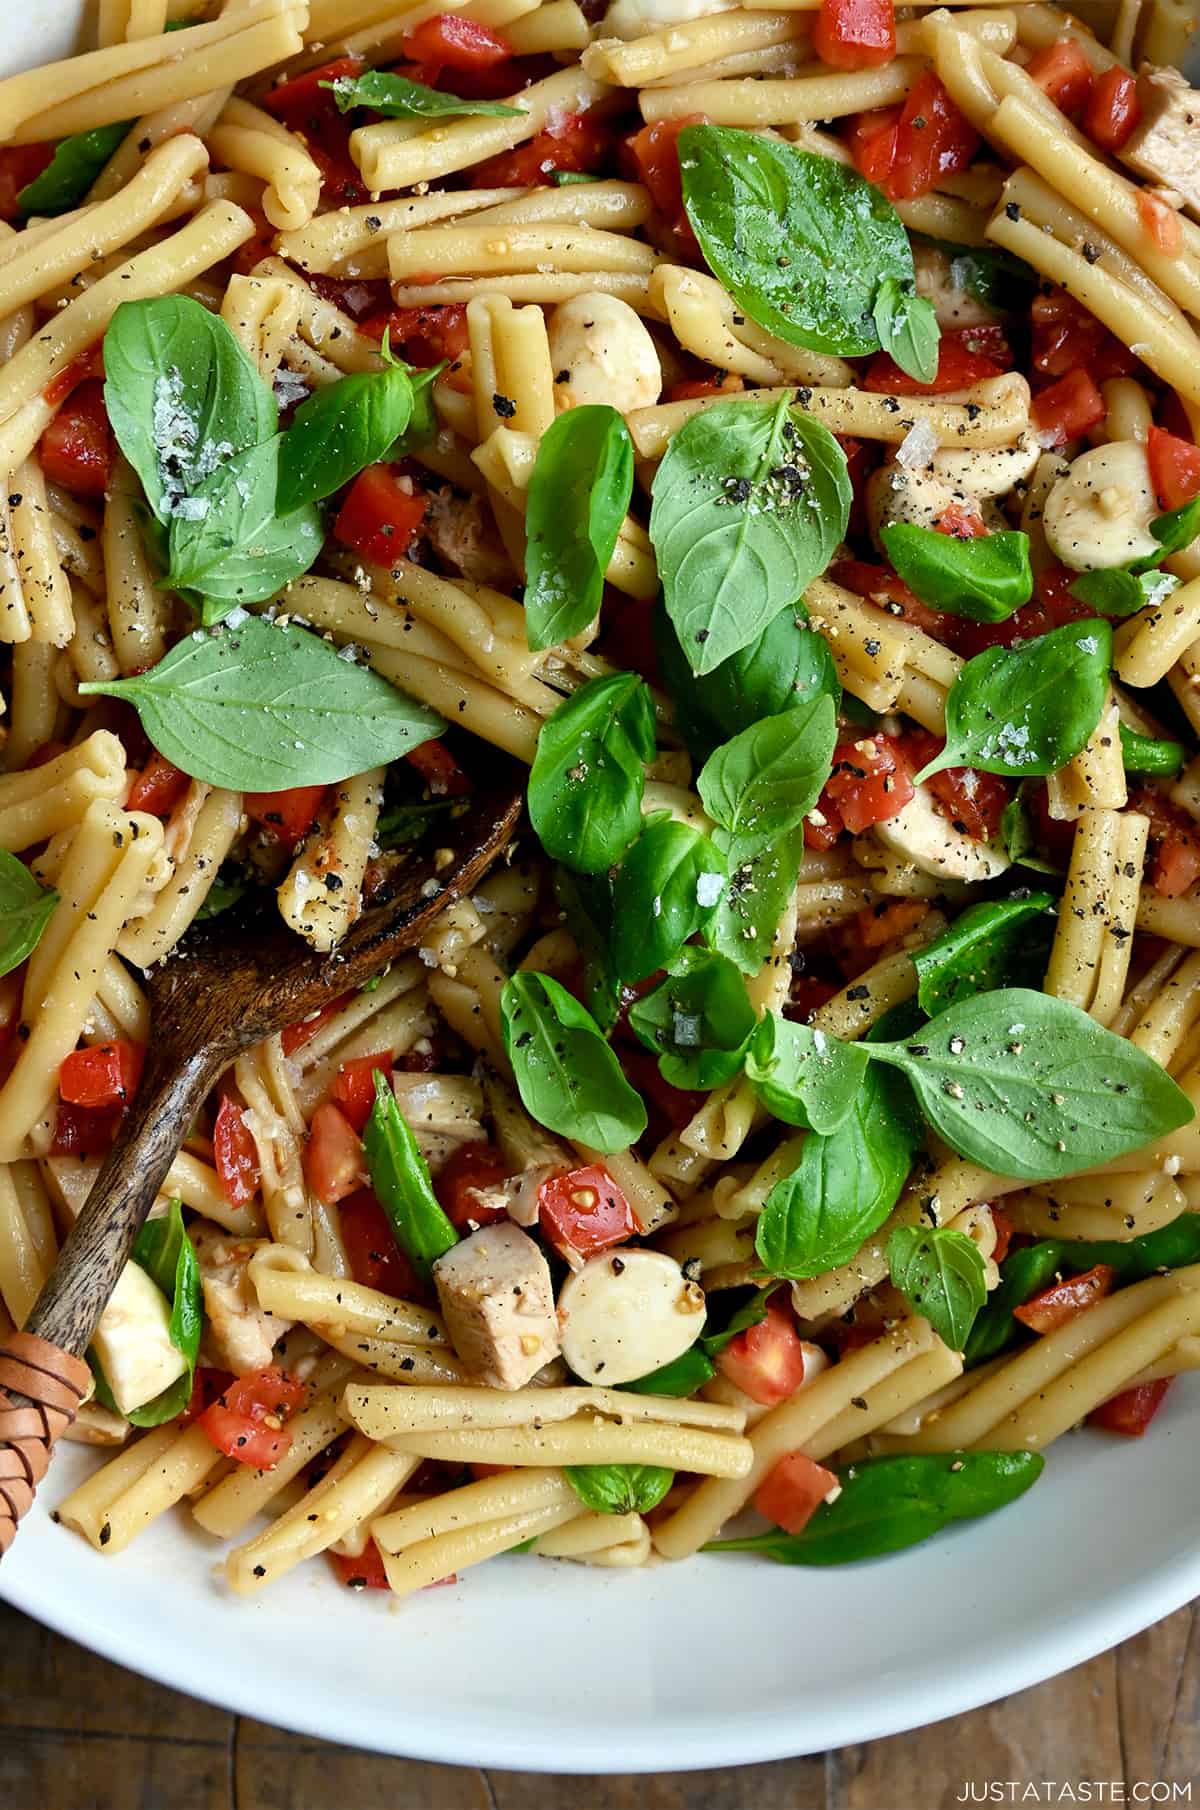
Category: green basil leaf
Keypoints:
(698, 1021)
(667, 887)
(844, 1186)
(25, 909)
(1148, 754)
(183, 397)
(941, 1275)
(397, 98)
(908, 329)
(586, 903)
(680, 1378)
(749, 503)
(403, 823)
(996, 278)
(76, 163)
(1026, 1272)
(259, 708)
(619, 1489)
(339, 431)
(1017, 833)
(984, 579)
(423, 422)
(997, 943)
(401, 1182)
(801, 242)
(763, 782)
(1027, 1085)
(886, 1504)
(165, 1252)
(1029, 709)
(1117, 593)
(1173, 531)
(578, 497)
(569, 1079)
(585, 789)
(761, 881)
(803, 1076)
(752, 1312)
(229, 546)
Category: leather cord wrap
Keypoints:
(49, 1384)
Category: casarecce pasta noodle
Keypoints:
(773, 428)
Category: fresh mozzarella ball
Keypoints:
(601, 352)
(633, 18)
(930, 841)
(626, 1313)
(989, 471)
(133, 1341)
(1098, 515)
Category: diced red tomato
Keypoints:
(309, 109)
(1053, 606)
(1174, 864)
(449, 42)
(806, 995)
(207, 1384)
(1067, 409)
(1067, 338)
(157, 788)
(89, 366)
(671, 1108)
(235, 1154)
(793, 1490)
(961, 523)
(104, 1076)
(973, 801)
(247, 1421)
(574, 142)
(654, 152)
(627, 627)
(823, 826)
(470, 1168)
(1112, 110)
(380, 515)
(1174, 468)
(287, 815)
(295, 1036)
(958, 367)
(584, 1211)
(1062, 72)
(1063, 1300)
(1132, 1411)
(766, 1362)
(84, 1131)
(334, 1165)
(354, 1086)
(855, 34)
(928, 140)
(443, 776)
(375, 1258)
(19, 164)
(297, 102)
(362, 298)
(422, 336)
(870, 782)
(1160, 223)
(76, 449)
(1004, 1234)
(990, 340)
(366, 1572)
(871, 141)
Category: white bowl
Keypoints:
(539, 1666)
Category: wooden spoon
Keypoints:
(234, 980)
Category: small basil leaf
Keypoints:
(1027, 1085)
(261, 707)
(578, 496)
(1017, 833)
(763, 782)
(1028, 709)
(761, 881)
(397, 98)
(680, 1378)
(941, 1275)
(1148, 754)
(585, 789)
(401, 1182)
(749, 503)
(1005, 942)
(667, 887)
(229, 546)
(985, 578)
(752, 1312)
(1173, 531)
(423, 423)
(76, 163)
(698, 1021)
(25, 909)
(803, 1076)
(801, 242)
(228, 889)
(619, 1489)
(1117, 593)
(908, 329)
(886, 1504)
(569, 1079)
(339, 431)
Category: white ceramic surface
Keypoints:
(554, 1667)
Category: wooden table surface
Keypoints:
(80, 1734)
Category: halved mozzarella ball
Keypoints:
(626, 1313)
(928, 839)
(601, 352)
(133, 1341)
(1098, 515)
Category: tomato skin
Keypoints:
(654, 152)
(1160, 223)
(423, 336)
(888, 922)
(235, 1154)
(310, 110)
(1063, 73)
(766, 1362)
(1067, 409)
(295, 1036)
(246, 1422)
(929, 139)
(443, 776)
(375, 1258)
(353, 1087)
(870, 782)
(871, 141)
(584, 1211)
(207, 1384)
(470, 1167)
(88, 365)
(76, 449)
(1174, 843)
(973, 801)
(961, 523)
(449, 42)
(573, 143)
(19, 165)
(1004, 1234)
(855, 34)
(1132, 1410)
(158, 788)
(793, 1490)
(334, 1165)
(1062, 1301)
(1174, 468)
(106, 1075)
(1067, 338)
(886, 588)
(288, 815)
(84, 1131)
(1112, 109)
(958, 368)
(378, 518)
(366, 1572)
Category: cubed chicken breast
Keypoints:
(1164, 146)
(498, 1301)
(240, 1335)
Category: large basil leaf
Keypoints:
(568, 1077)
(763, 782)
(1002, 943)
(749, 503)
(668, 887)
(619, 1489)
(395, 97)
(401, 1182)
(698, 1021)
(25, 909)
(229, 547)
(803, 1076)
(76, 163)
(339, 431)
(984, 578)
(942, 1275)
(578, 497)
(801, 242)
(261, 707)
(761, 882)
(585, 789)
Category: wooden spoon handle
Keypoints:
(42, 1374)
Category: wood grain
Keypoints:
(84, 1735)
